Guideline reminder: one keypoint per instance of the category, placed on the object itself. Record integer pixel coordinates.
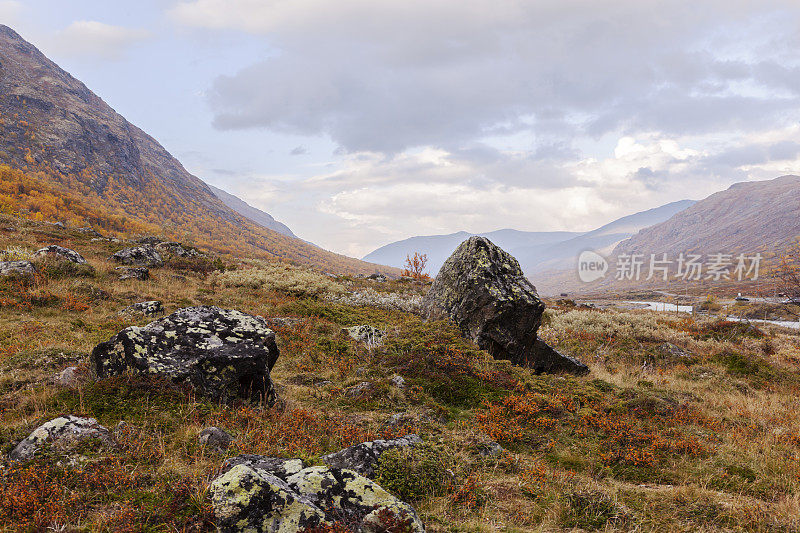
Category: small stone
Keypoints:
(148, 308)
(215, 438)
(490, 449)
(71, 377)
(138, 273)
(19, 268)
(369, 335)
(357, 390)
(63, 432)
(398, 382)
(60, 252)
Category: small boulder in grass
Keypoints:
(364, 457)
(59, 252)
(62, 433)
(137, 273)
(215, 438)
(145, 255)
(17, 268)
(148, 308)
(71, 377)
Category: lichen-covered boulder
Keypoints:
(250, 500)
(148, 308)
(63, 433)
(363, 458)
(145, 255)
(369, 335)
(355, 499)
(484, 291)
(176, 249)
(222, 353)
(60, 252)
(17, 268)
(266, 494)
(138, 273)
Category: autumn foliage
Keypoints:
(415, 266)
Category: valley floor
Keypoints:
(684, 424)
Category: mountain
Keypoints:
(536, 251)
(248, 211)
(602, 240)
(439, 247)
(747, 217)
(68, 156)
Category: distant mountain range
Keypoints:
(67, 156)
(536, 251)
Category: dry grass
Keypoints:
(649, 441)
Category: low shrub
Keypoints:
(279, 277)
(414, 473)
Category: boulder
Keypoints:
(215, 438)
(265, 494)
(61, 253)
(148, 308)
(18, 268)
(222, 353)
(380, 278)
(357, 390)
(145, 255)
(140, 273)
(64, 432)
(363, 458)
(484, 291)
(176, 249)
(71, 377)
(369, 335)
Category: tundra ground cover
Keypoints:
(682, 425)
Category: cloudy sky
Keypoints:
(361, 122)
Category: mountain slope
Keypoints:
(536, 251)
(58, 133)
(747, 217)
(248, 211)
(439, 247)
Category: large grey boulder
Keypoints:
(64, 432)
(222, 353)
(145, 255)
(266, 494)
(18, 268)
(60, 252)
(484, 291)
(363, 458)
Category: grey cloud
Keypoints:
(299, 150)
(444, 80)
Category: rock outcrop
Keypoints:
(222, 353)
(143, 256)
(18, 268)
(363, 458)
(62, 433)
(484, 291)
(61, 253)
(264, 494)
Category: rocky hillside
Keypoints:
(248, 211)
(747, 217)
(58, 135)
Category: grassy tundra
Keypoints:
(682, 425)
